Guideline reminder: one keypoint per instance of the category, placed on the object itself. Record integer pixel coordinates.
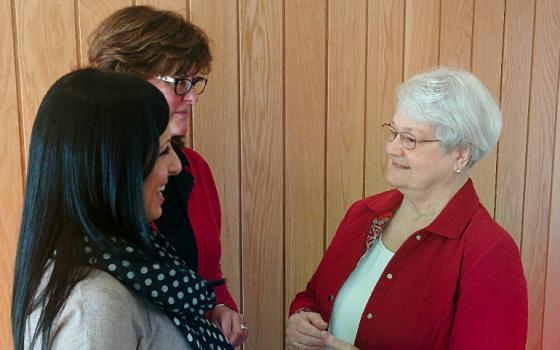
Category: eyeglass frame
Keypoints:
(396, 133)
(175, 81)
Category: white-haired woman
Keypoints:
(423, 265)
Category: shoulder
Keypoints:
(483, 230)
(195, 159)
(490, 246)
(99, 311)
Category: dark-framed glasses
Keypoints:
(406, 139)
(183, 86)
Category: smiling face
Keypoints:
(180, 107)
(166, 164)
(424, 170)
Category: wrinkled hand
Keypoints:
(231, 323)
(304, 331)
(336, 344)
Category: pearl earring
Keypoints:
(457, 171)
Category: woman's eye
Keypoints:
(164, 151)
(407, 139)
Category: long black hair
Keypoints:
(94, 140)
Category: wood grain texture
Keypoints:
(289, 155)
(11, 171)
(90, 14)
(305, 116)
(540, 154)
(486, 65)
(216, 126)
(346, 108)
(516, 78)
(456, 33)
(384, 74)
(262, 169)
(180, 6)
(551, 338)
(422, 31)
(46, 34)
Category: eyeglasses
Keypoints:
(183, 85)
(406, 139)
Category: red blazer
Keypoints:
(457, 284)
(203, 210)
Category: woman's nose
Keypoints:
(191, 97)
(174, 163)
(394, 147)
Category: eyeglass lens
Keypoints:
(407, 140)
(183, 86)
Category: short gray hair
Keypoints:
(457, 105)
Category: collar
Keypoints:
(452, 220)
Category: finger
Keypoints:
(237, 331)
(317, 320)
(225, 323)
(335, 343)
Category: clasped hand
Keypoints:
(308, 331)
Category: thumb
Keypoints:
(316, 320)
(335, 343)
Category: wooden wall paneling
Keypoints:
(384, 74)
(422, 30)
(486, 65)
(456, 31)
(305, 121)
(216, 125)
(90, 14)
(262, 170)
(551, 338)
(180, 6)
(538, 179)
(347, 31)
(11, 171)
(516, 76)
(46, 33)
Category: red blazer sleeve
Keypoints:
(307, 298)
(491, 307)
(204, 212)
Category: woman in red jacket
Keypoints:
(173, 54)
(423, 265)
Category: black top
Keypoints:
(174, 223)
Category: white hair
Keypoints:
(458, 107)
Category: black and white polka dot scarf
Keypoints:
(168, 283)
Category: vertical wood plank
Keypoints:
(262, 170)
(216, 125)
(516, 75)
(384, 74)
(90, 14)
(551, 339)
(346, 107)
(180, 6)
(11, 172)
(305, 115)
(456, 33)
(538, 179)
(486, 65)
(422, 25)
(46, 50)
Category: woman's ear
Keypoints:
(464, 156)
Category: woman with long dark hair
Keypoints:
(90, 273)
